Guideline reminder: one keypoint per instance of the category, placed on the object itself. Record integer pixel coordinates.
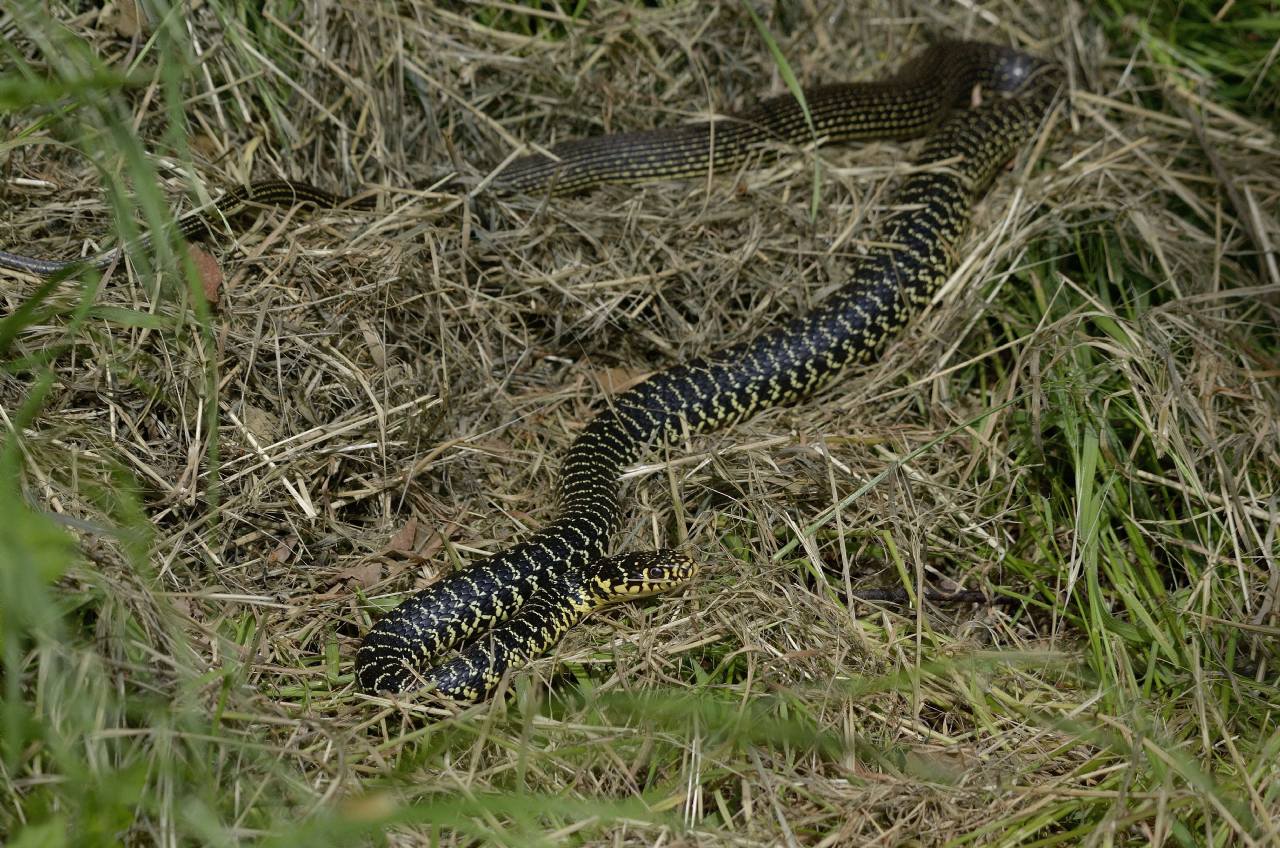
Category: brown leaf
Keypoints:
(364, 575)
(127, 19)
(615, 380)
(210, 274)
(182, 604)
(436, 542)
(262, 424)
(372, 807)
(282, 552)
(373, 342)
(405, 537)
(206, 145)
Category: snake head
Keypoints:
(640, 574)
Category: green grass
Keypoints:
(1188, 42)
(1103, 458)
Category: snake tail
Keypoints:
(195, 223)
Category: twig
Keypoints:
(937, 596)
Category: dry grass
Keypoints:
(1084, 424)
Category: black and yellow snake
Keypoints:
(506, 608)
(516, 604)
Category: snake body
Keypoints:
(503, 610)
(562, 600)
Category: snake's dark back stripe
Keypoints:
(780, 365)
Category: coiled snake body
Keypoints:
(521, 585)
(517, 603)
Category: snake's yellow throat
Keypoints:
(516, 604)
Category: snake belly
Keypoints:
(914, 254)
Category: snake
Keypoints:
(498, 613)
(976, 103)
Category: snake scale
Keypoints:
(516, 604)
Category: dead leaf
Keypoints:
(127, 19)
(210, 274)
(372, 807)
(262, 424)
(282, 552)
(436, 542)
(206, 145)
(182, 605)
(363, 575)
(613, 381)
(404, 538)
(374, 343)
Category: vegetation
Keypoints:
(218, 468)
